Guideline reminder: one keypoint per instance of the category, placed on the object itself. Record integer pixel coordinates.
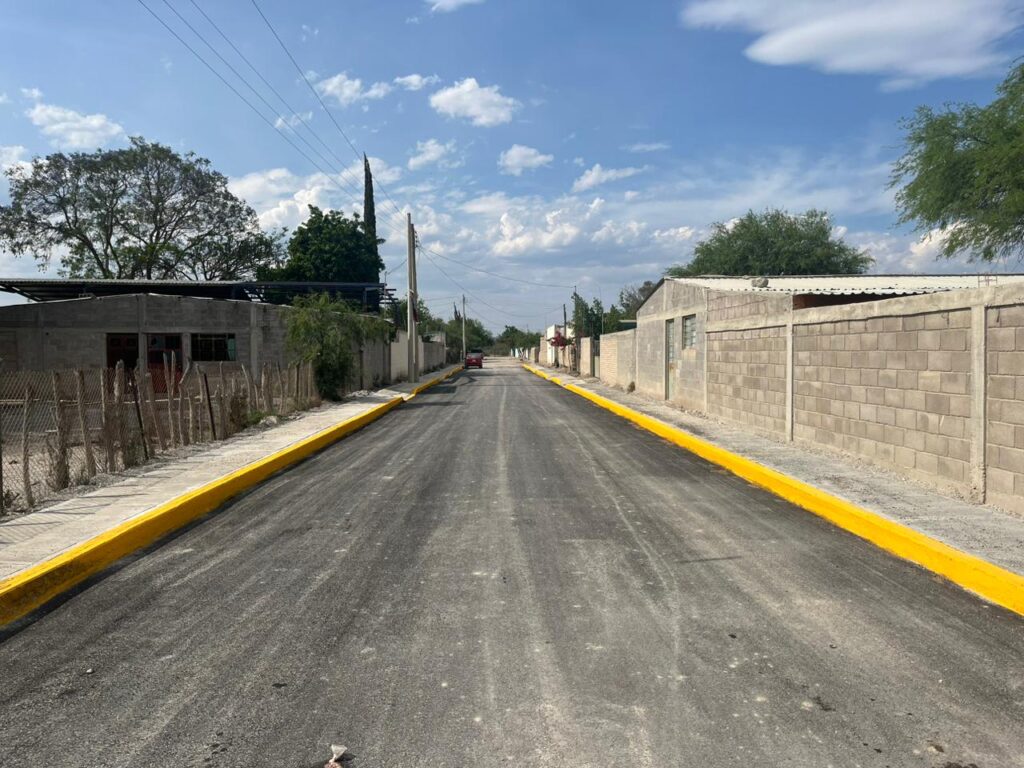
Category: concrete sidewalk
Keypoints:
(36, 537)
(983, 531)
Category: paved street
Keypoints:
(500, 573)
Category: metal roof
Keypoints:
(882, 285)
(274, 292)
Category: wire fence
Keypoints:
(59, 429)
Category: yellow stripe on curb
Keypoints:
(991, 582)
(32, 588)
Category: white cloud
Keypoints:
(415, 82)
(430, 152)
(447, 6)
(293, 120)
(3, 98)
(12, 154)
(626, 233)
(349, 90)
(514, 238)
(907, 41)
(674, 235)
(630, 194)
(280, 197)
(641, 147)
(518, 158)
(68, 129)
(309, 32)
(597, 175)
(33, 94)
(483, 106)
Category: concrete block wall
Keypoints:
(1004, 446)
(672, 301)
(738, 305)
(618, 359)
(746, 377)
(586, 357)
(892, 390)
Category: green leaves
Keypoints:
(328, 333)
(774, 243)
(331, 247)
(962, 174)
(139, 212)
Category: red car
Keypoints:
(475, 358)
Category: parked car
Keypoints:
(475, 358)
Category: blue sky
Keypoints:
(572, 143)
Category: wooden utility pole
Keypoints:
(463, 327)
(413, 352)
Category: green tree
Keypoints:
(774, 243)
(514, 338)
(586, 318)
(613, 319)
(369, 209)
(632, 296)
(330, 247)
(962, 173)
(143, 211)
(327, 332)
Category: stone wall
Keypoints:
(747, 377)
(1004, 449)
(892, 390)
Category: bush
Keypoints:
(324, 331)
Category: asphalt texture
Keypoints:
(501, 573)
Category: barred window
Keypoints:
(213, 347)
(689, 332)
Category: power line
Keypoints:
(327, 174)
(316, 95)
(474, 296)
(494, 274)
(238, 93)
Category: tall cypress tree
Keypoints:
(369, 212)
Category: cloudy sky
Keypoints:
(576, 143)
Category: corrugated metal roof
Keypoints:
(883, 285)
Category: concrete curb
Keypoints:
(32, 588)
(989, 581)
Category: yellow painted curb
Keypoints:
(27, 590)
(991, 582)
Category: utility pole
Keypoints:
(463, 327)
(410, 322)
(565, 334)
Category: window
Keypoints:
(213, 347)
(689, 332)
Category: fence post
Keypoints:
(153, 415)
(61, 476)
(209, 404)
(194, 435)
(26, 480)
(280, 386)
(169, 392)
(106, 428)
(138, 416)
(222, 410)
(83, 423)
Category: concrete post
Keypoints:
(979, 392)
(789, 377)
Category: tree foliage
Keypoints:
(632, 296)
(962, 174)
(514, 338)
(774, 243)
(327, 332)
(587, 319)
(330, 247)
(138, 212)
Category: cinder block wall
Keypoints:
(1004, 448)
(586, 361)
(617, 359)
(747, 377)
(894, 390)
(672, 301)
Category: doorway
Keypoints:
(670, 359)
(159, 346)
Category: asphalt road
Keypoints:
(500, 573)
